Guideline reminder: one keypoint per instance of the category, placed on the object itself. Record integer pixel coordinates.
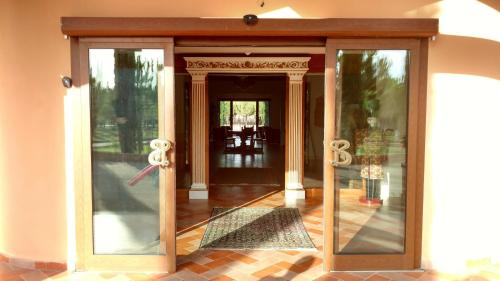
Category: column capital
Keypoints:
(296, 76)
(198, 75)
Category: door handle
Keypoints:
(341, 157)
(158, 157)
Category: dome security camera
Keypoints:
(67, 81)
(250, 19)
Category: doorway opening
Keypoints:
(252, 112)
(246, 131)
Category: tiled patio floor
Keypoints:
(194, 264)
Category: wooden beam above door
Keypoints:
(330, 27)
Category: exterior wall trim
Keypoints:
(33, 264)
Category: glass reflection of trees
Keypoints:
(369, 82)
(372, 114)
(125, 109)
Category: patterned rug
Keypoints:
(257, 229)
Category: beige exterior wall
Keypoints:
(461, 190)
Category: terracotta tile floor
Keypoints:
(194, 264)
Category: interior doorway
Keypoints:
(246, 129)
(235, 103)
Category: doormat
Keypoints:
(256, 229)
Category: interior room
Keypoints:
(247, 120)
(247, 135)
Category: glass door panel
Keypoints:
(371, 114)
(125, 157)
(371, 108)
(124, 120)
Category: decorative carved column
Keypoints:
(294, 166)
(199, 136)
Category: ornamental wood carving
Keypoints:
(250, 64)
(247, 64)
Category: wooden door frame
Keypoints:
(80, 107)
(268, 32)
(415, 156)
(235, 27)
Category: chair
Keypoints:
(229, 142)
(247, 135)
(229, 145)
(253, 143)
(262, 132)
(258, 146)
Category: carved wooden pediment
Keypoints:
(248, 64)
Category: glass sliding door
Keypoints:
(369, 153)
(129, 168)
(124, 120)
(371, 99)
